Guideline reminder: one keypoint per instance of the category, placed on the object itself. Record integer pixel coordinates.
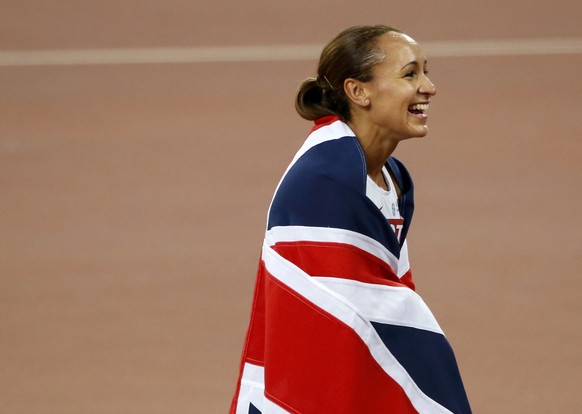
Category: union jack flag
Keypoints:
(336, 325)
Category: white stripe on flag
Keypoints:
(386, 304)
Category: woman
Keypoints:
(336, 326)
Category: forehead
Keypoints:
(400, 49)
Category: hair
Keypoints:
(351, 54)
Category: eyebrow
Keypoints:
(414, 62)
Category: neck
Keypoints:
(377, 148)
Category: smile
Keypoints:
(418, 110)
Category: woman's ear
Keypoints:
(356, 92)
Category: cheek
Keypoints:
(398, 98)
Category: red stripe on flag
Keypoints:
(339, 260)
(407, 280)
(321, 122)
(316, 363)
(255, 341)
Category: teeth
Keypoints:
(419, 107)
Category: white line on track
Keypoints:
(276, 53)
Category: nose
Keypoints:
(427, 87)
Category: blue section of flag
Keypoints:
(429, 360)
(326, 187)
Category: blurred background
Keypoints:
(141, 142)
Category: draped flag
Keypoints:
(336, 326)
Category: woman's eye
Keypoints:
(409, 74)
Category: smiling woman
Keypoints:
(336, 324)
(380, 89)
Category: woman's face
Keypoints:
(400, 90)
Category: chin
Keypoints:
(424, 133)
(419, 133)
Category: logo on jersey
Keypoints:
(396, 224)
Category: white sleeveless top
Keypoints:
(386, 201)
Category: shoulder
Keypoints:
(325, 186)
(326, 181)
(331, 150)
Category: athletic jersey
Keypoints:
(386, 201)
